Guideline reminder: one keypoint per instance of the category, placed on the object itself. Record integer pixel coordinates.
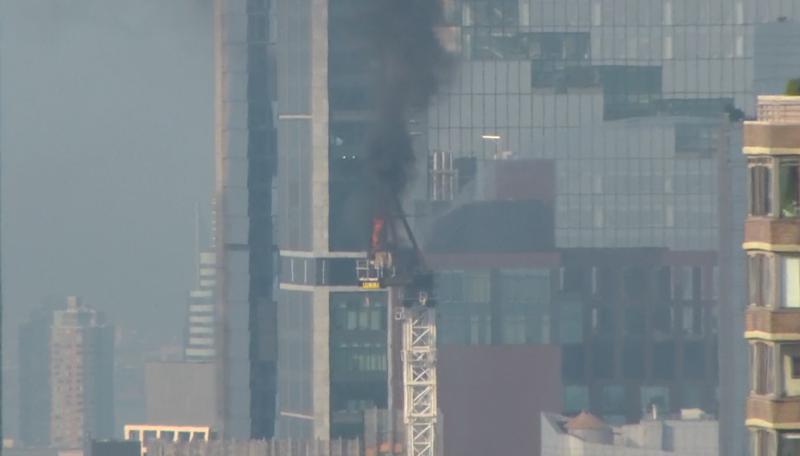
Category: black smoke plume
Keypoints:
(411, 64)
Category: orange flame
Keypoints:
(377, 229)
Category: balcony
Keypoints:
(784, 323)
(772, 231)
(781, 413)
(781, 137)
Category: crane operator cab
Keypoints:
(390, 265)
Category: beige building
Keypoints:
(772, 242)
(81, 370)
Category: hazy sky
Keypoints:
(107, 115)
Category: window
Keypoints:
(576, 398)
(664, 360)
(572, 362)
(789, 365)
(762, 443)
(791, 282)
(789, 444)
(759, 279)
(603, 359)
(663, 320)
(692, 139)
(603, 321)
(571, 322)
(762, 375)
(789, 180)
(694, 360)
(657, 396)
(634, 320)
(573, 279)
(664, 283)
(633, 358)
(760, 202)
(634, 282)
(612, 399)
(683, 286)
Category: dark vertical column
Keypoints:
(262, 161)
(731, 300)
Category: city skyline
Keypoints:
(575, 190)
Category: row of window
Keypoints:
(683, 283)
(771, 193)
(631, 363)
(773, 280)
(612, 399)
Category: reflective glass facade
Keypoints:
(632, 99)
(493, 306)
(332, 334)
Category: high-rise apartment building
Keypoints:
(245, 164)
(634, 325)
(81, 376)
(34, 378)
(772, 242)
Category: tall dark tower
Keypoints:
(332, 333)
(245, 156)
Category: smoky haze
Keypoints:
(412, 65)
(107, 117)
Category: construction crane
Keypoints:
(402, 270)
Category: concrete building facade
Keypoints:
(772, 242)
(81, 376)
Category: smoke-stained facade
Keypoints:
(245, 166)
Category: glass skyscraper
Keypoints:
(332, 334)
(245, 166)
(633, 101)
